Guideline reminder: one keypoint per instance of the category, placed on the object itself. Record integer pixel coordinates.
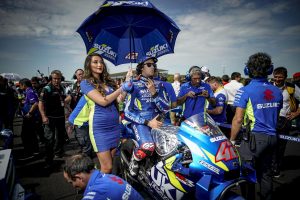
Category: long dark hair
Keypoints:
(104, 77)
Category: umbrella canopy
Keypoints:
(125, 31)
(11, 76)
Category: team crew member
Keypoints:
(259, 103)
(80, 172)
(51, 107)
(102, 93)
(289, 111)
(80, 129)
(29, 113)
(75, 91)
(147, 101)
(39, 129)
(218, 112)
(79, 119)
(231, 89)
(193, 94)
(296, 81)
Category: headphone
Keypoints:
(56, 72)
(74, 75)
(188, 76)
(269, 70)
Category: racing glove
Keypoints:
(127, 86)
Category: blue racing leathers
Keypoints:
(142, 107)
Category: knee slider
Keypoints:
(145, 150)
(148, 148)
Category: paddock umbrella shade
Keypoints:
(125, 31)
(11, 76)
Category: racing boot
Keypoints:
(133, 167)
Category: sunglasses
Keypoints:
(151, 64)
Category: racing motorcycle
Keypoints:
(192, 161)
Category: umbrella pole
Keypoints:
(131, 40)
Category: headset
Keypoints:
(269, 70)
(188, 76)
(74, 75)
(56, 72)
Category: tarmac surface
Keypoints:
(50, 185)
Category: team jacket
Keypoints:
(142, 106)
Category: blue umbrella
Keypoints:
(11, 76)
(125, 31)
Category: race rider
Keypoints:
(147, 100)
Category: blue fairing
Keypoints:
(215, 163)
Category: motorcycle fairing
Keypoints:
(171, 175)
(207, 188)
(211, 151)
(176, 170)
(161, 183)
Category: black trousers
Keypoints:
(39, 129)
(29, 137)
(278, 155)
(230, 112)
(258, 151)
(54, 133)
(83, 139)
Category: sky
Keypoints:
(220, 34)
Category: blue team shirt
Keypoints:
(170, 92)
(31, 98)
(108, 186)
(262, 102)
(195, 105)
(221, 101)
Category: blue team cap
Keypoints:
(145, 58)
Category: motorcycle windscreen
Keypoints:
(204, 124)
